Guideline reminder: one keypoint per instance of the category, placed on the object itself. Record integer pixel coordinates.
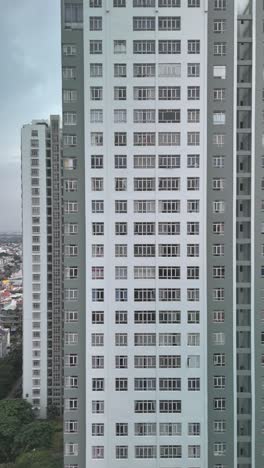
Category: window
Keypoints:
(144, 47)
(145, 384)
(169, 250)
(69, 49)
(119, 3)
(96, 70)
(168, 70)
(121, 451)
(95, 3)
(219, 359)
(73, 14)
(169, 138)
(169, 3)
(96, 93)
(170, 406)
(170, 451)
(193, 46)
(145, 339)
(120, 161)
(144, 93)
(120, 184)
(120, 70)
(169, 206)
(218, 184)
(144, 3)
(96, 23)
(120, 138)
(121, 317)
(120, 93)
(121, 250)
(97, 161)
(193, 316)
(219, 5)
(145, 406)
(219, 49)
(145, 362)
(194, 429)
(169, 272)
(69, 95)
(98, 362)
(219, 71)
(169, 294)
(97, 406)
(219, 26)
(219, 140)
(145, 451)
(218, 250)
(144, 295)
(144, 184)
(70, 118)
(144, 250)
(121, 384)
(193, 384)
(71, 250)
(169, 384)
(71, 450)
(144, 206)
(143, 23)
(120, 272)
(219, 94)
(97, 250)
(193, 116)
(169, 361)
(218, 294)
(169, 228)
(218, 162)
(145, 429)
(169, 183)
(121, 363)
(193, 93)
(96, 47)
(193, 228)
(193, 70)
(120, 295)
(97, 429)
(98, 452)
(169, 23)
(169, 93)
(193, 3)
(169, 161)
(97, 184)
(144, 115)
(96, 115)
(193, 339)
(172, 46)
(119, 47)
(218, 228)
(169, 115)
(219, 118)
(121, 229)
(121, 339)
(144, 138)
(97, 295)
(193, 138)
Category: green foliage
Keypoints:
(14, 414)
(10, 371)
(36, 435)
(27, 442)
(39, 459)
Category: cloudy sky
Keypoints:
(30, 87)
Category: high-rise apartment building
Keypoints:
(42, 266)
(164, 222)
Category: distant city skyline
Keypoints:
(31, 89)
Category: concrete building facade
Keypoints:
(42, 266)
(163, 172)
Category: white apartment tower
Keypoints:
(163, 170)
(42, 264)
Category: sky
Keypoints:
(30, 88)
